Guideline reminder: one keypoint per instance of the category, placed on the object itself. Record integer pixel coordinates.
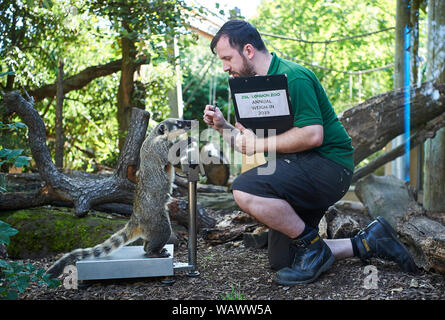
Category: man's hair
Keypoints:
(240, 33)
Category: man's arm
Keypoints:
(294, 140)
(215, 119)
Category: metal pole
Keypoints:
(192, 229)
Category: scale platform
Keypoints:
(126, 262)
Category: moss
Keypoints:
(46, 231)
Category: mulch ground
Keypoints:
(232, 268)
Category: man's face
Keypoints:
(236, 64)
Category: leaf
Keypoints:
(14, 153)
(20, 125)
(22, 283)
(4, 152)
(21, 161)
(12, 295)
(4, 264)
(6, 231)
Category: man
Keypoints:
(314, 167)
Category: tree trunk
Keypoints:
(434, 182)
(83, 192)
(60, 139)
(126, 86)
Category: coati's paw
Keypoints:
(161, 254)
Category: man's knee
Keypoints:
(242, 199)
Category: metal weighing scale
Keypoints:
(131, 262)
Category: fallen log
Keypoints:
(215, 236)
(178, 210)
(378, 120)
(428, 132)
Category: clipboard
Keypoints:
(262, 102)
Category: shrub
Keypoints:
(15, 276)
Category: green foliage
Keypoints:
(327, 20)
(235, 294)
(15, 276)
(6, 231)
(35, 34)
(13, 156)
(12, 151)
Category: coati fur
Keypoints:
(150, 219)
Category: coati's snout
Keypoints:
(186, 124)
(172, 128)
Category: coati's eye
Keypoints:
(161, 129)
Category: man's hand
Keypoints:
(214, 117)
(246, 141)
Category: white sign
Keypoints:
(262, 104)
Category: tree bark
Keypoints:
(83, 192)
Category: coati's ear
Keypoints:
(161, 129)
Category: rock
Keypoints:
(426, 240)
(385, 196)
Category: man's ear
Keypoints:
(249, 51)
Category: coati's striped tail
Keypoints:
(126, 235)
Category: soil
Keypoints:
(230, 269)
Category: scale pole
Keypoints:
(192, 228)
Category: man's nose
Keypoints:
(226, 67)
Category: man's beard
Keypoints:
(247, 70)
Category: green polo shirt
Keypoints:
(311, 106)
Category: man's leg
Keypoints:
(279, 215)
(341, 248)
(274, 213)
(310, 257)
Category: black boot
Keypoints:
(380, 240)
(312, 257)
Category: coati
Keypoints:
(150, 220)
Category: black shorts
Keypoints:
(309, 182)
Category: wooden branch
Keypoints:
(417, 138)
(83, 192)
(378, 120)
(82, 78)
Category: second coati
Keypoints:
(150, 219)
